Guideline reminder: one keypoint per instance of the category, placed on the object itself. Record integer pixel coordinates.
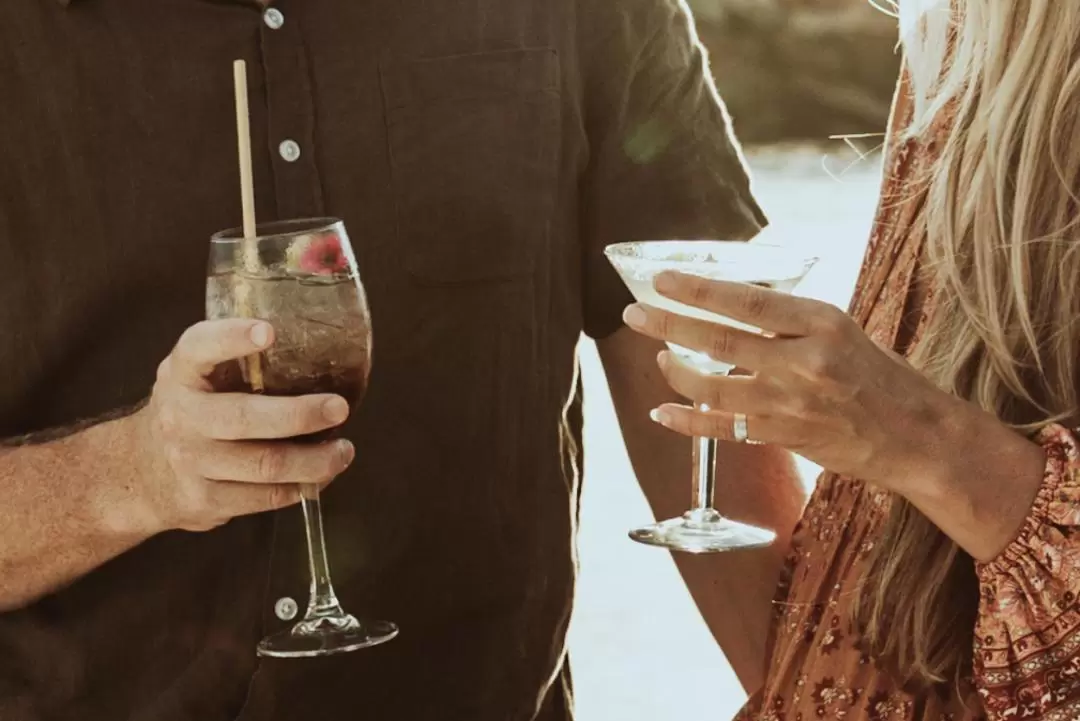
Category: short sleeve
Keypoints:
(663, 161)
(1027, 638)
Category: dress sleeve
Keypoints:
(1027, 637)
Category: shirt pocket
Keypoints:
(474, 151)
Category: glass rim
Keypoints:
(278, 229)
(619, 251)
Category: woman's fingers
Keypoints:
(720, 425)
(743, 394)
(720, 342)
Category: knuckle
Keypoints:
(303, 416)
(293, 417)
(819, 363)
(663, 323)
(708, 426)
(713, 397)
(754, 302)
(817, 359)
(202, 342)
(831, 320)
(699, 290)
(281, 495)
(270, 463)
(231, 419)
(720, 345)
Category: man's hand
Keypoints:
(189, 459)
(213, 456)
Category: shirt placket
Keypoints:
(297, 193)
(290, 114)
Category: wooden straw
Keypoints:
(248, 246)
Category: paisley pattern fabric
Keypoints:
(1027, 648)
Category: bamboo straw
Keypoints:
(248, 246)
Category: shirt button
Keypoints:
(289, 150)
(286, 609)
(273, 18)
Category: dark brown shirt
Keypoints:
(481, 152)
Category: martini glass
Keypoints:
(703, 529)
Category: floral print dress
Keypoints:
(1027, 647)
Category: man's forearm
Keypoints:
(760, 485)
(57, 520)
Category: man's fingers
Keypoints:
(244, 499)
(258, 462)
(248, 416)
(204, 345)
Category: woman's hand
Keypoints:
(820, 386)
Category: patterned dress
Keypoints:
(1027, 648)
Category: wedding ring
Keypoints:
(739, 430)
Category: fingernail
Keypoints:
(662, 358)
(665, 282)
(335, 410)
(347, 451)
(660, 416)
(633, 316)
(260, 334)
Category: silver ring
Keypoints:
(739, 430)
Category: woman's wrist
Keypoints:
(977, 480)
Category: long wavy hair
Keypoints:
(1001, 215)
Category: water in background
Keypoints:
(633, 611)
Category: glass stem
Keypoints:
(704, 470)
(323, 601)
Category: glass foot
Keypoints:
(704, 531)
(326, 636)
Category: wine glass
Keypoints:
(703, 529)
(301, 276)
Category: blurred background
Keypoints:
(797, 75)
(793, 70)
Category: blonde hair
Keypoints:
(1000, 217)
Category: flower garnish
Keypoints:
(322, 255)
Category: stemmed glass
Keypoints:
(703, 529)
(301, 276)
